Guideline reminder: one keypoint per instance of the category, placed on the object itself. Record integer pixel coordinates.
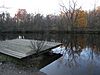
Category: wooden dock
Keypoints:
(21, 48)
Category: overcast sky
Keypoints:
(43, 6)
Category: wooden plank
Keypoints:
(21, 48)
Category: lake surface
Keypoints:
(81, 56)
(86, 62)
(81, 52)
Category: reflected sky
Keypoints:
(86, 62)
(81, 53)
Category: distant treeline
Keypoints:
(25, 22)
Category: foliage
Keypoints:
(66, 21)
(81, 20)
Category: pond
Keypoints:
(85, 62)
(81, 53)
(81, 56)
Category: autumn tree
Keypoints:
(21, 15)
(81, 20)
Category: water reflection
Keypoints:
(81, 55)
(81, 52)
(79, 45)
(86, 62)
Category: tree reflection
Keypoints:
(73, 50)
(78, 45)
(75, 44)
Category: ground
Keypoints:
(11, 69)
(29, 66)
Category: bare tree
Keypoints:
(71, 12)
(37, 46)
(94, 17)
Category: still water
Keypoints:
(81, 53)
(86, 62)
(81, 56)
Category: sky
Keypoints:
(43, 6)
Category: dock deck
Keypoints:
(21, 48)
